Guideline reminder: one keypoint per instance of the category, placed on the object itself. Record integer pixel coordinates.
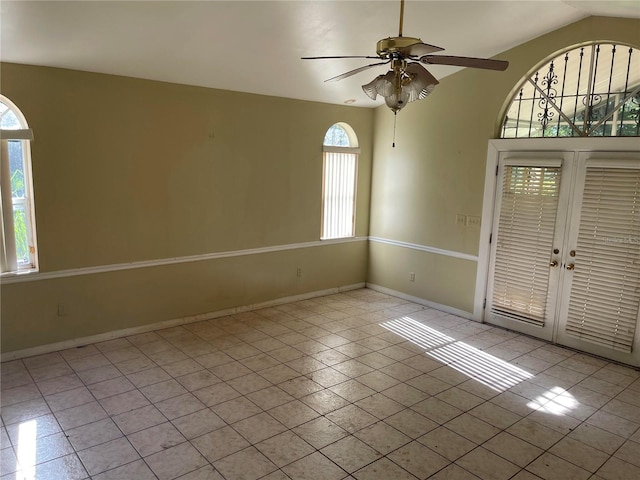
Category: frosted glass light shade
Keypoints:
(399, 87)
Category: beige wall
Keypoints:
(437, 169)
(116, 300)
(128, 170)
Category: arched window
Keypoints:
(589, 91)
(340, 169)
(17, 225)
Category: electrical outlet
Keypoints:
(299, 272)
(461, 219)
(62, 310)
(473, 221)
(412, 276)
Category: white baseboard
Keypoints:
(125, 332)
(421, 301)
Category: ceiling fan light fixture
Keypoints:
(404, 84)
(372, 88)
(419, 82)
(397, 101)
(416, 88)
(382, 85)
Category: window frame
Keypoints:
(24, 135)
(351, 188)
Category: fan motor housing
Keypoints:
(393, 45)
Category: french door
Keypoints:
(564, 259)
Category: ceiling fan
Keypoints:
(408, 80)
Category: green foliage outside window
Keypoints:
(19, 217)
(22, 243)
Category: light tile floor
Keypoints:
(357, 385)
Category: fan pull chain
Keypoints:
(395, 118)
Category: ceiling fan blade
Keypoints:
(329, 58)
(419, 50)
(471, 62)
(353, 72)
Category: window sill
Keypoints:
(19, 273)
(328, 239)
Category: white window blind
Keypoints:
(526, 225)
(339, 194)
(605, 290)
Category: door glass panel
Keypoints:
(526, 226)
(605, 289)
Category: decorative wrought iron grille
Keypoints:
(590, 91)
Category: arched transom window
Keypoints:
(589, 91)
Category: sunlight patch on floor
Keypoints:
(27, 445)
(417, 333)
(556, 401)
(481, 366)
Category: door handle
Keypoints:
(571, 266)
(554, 263)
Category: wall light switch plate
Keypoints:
(473, 221)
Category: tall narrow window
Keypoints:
(340, 168)
(17, 225)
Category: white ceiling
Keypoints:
(255, 46)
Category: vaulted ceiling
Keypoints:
(255, 46)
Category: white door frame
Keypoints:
(577, 144)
